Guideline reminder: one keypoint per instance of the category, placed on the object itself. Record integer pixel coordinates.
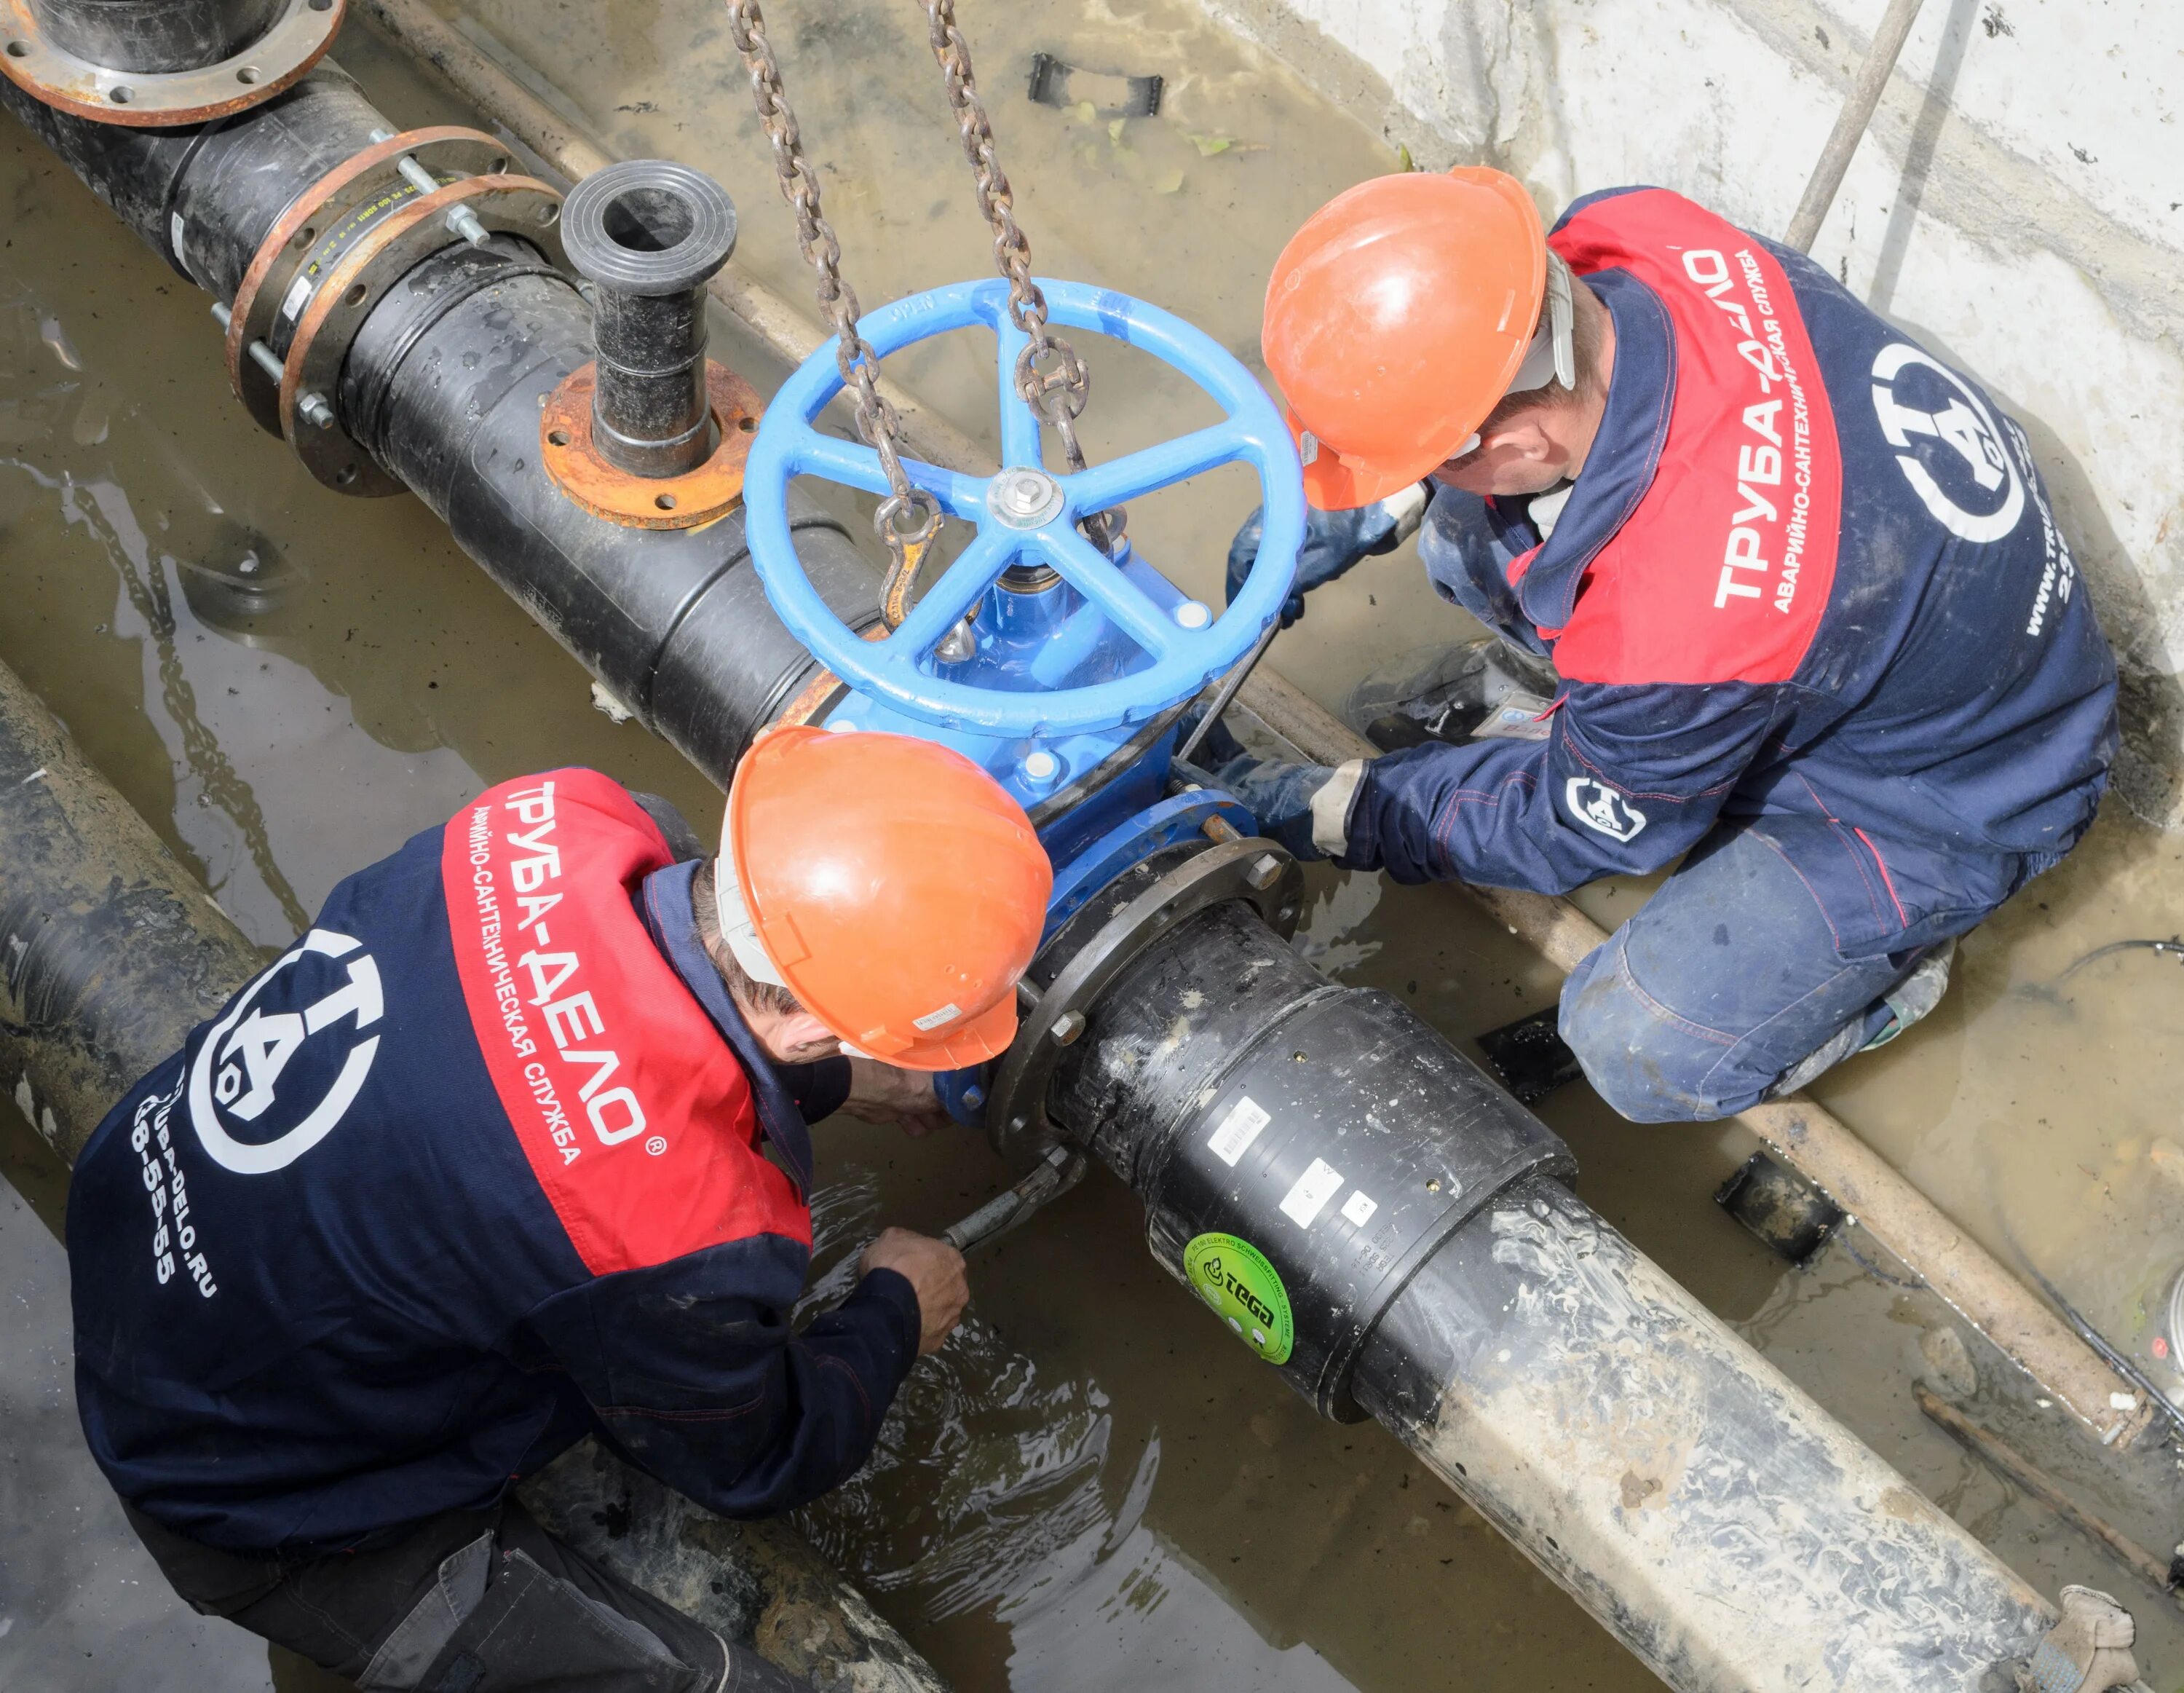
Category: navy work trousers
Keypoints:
(469, 1602)
(1726, 978)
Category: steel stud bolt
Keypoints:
(1068, 1027)
(1265, 871)
(312, 407)
(460, 219)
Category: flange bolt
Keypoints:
(1068, 1027)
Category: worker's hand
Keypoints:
(881, 1093)
(1333, 543)
(934, 1269)
(1280, 797)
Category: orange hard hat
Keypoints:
(1396, 318)
(889, 884)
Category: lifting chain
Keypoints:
(908, 518)
(1050, 376)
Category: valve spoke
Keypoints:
(854, 465)
(1136, 474)
(991, 552)
(1094, 576)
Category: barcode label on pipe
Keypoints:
(1237, 1131)
(1313, 1189)
(1359, 1207)
(300, 291)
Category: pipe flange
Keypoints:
(650, 226)
(571, 453)
(382, 254)
(1258, 871)
(138, 99)
(316, 233)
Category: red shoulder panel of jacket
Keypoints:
(1722, 573)
(632, 1112)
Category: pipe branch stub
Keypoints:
(32, 59)
(568, 444)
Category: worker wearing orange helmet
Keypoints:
(1772, 590)
(511, 1148)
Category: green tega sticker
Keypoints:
(1233, 1276)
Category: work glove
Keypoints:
(1333, 542)
(1280, 797)
(2087, 1652)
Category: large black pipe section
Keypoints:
(445, 386)
(110, 953)
(1630, 1443)
(1701, 1507)
(647, 236)
(155, 36)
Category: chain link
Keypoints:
(910, 518)
(1050, 376)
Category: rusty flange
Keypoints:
(645, 502)
(382, 254)
(140, 99)
(316, 234)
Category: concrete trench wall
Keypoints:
(2018, 204)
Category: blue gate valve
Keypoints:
(1026, 515)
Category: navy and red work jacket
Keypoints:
(478, 1166)
(1808, 582)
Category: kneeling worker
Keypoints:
(510, 1149)
(1813, 627)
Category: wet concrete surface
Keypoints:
(1090, 1487)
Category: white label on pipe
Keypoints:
(175, 230)
(1238, 1130)
(299, 291)
(1313, 1189)
(1359, 1207)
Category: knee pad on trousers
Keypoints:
(1647, 1064)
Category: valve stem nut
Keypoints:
(1068, 1027)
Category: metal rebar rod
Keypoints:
(2022, 1472)
(1873, 74)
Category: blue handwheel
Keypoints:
(1025, 516)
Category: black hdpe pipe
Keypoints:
(1625, 1439)
(110, 952)
(443, 386)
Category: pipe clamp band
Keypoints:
(388, 250)
(316, 233)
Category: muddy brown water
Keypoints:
(1091, 1487)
